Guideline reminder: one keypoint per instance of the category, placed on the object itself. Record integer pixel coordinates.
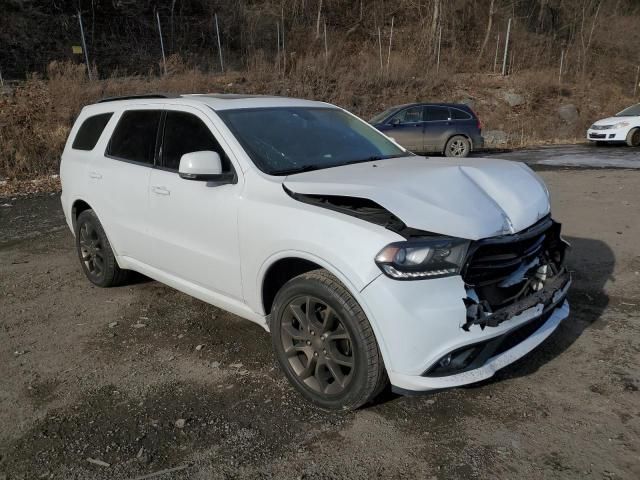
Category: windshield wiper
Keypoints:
(305, 168)
(373, 159)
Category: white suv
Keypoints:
(367, 263)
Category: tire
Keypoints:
(633, 137)
(95, 254)
(457, 146)
(331, 355)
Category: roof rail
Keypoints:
(136, 97)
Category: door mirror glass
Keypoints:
(395, 121)
(205, 165)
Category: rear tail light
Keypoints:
(477, 119)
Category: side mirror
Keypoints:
(395, 121)
(205, 165)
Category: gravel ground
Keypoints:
(119, 383)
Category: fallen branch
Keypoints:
(161, 472)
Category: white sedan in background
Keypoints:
(622, 127)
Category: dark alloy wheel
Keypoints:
(324, 342)
(317, 346)
(633, 138)
(95, 253)
(457, 146)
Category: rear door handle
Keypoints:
(95, 175)
(160, 190)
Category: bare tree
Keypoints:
(587, 37)
(488, 32)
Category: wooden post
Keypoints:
(219, 44)
(390, 40)
(278, 45)
(380, 49)
(84, 46)
(506, 49)
(164, 60)
(326, 45)
(495, 60)
(439, 44)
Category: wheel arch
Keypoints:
(283, 266)
(77, 208)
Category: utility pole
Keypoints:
(84, 46)
(164, 60)
(506, 50)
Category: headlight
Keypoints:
(621, 125)
(419, 259)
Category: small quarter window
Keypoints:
(134, 138)
(90, 131)
(457, 114)
(186, 133)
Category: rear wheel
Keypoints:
(457, 146)
(95, 253)
(325, 344)
(633, 137)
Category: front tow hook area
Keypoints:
(551, 294)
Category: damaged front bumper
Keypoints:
(419, 325)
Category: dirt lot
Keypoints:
(88, 373)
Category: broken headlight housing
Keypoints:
(425, 258)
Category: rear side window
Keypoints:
(434, 114)
(134, 138)
(186, 133)
(457, 114)
(90, 131)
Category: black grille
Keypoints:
(494, 259)
(597, 135)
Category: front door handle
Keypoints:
(160, 190)
(95, 175)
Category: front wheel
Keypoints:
(325, 344)
(457, 146)
(633, 137)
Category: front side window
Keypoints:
(90, 131)
(408, 115)
(134, 138)
(284, 140)
(186, 133)
(436, 114)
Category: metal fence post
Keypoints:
(506, 49)
(164, 60)
(84, 46)
(219, 44)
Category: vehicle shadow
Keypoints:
(591, 263)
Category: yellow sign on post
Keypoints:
(76, 49)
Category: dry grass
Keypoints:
(36, 117)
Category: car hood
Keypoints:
(614, 120)
(469, 198)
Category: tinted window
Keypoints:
(135, 136)
(632, 111)
(90, 131)
(286, 140)
(185, 133)
(408, 115)
(434, 114)
(457, 114)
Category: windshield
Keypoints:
(632, 111)
(286, 140)
(381, 116)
